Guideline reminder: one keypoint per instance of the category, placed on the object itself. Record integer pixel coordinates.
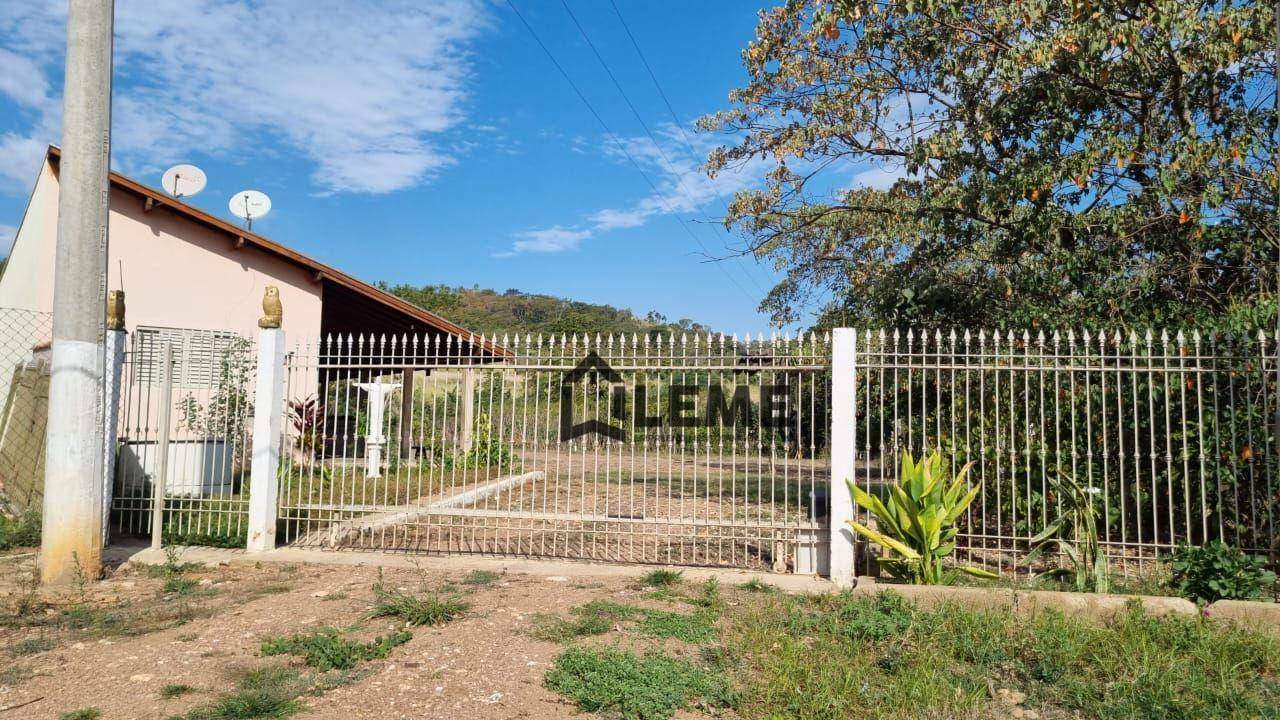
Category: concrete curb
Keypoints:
(1022, 603)
(1027, 603)
(1257, 615)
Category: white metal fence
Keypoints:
(1173, 430)
(691, 449)
(709, 450)
(185, 421)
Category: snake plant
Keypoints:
(916, 522)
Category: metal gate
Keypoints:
(693, 449)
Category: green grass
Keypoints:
(20, 531)
(881, 657)
(327, 648)
(267, 692)
(425, 609)
(600, 616)
(594, 618)
(480, 578)
(90, 713)
(661, 578)
(697, 627)
(618, 683)
(176, 690)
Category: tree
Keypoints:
(1040, 161)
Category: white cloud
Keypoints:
(549, 240)
(679, 184)
(360, 89)
(881, 178)
(7, 234)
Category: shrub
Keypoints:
(20, 531)
(428, 609)
(917, 523)
(1217, 571)
(661, 578)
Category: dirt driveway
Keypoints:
(120, 645)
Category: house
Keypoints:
(183, 269)
(195, 282)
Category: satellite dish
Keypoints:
(249, 205)
(183, 180)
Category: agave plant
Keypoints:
(917, 522)
(1074, 534)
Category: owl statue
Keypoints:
(115, 310)
(272, 311)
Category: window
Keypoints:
(197, 355)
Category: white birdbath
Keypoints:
(375, 440)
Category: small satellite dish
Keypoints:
(249, 205)
(183, 180)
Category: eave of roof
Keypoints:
(322, 270)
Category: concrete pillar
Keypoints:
(268, 417)
(843, 416)
(468, 408)
(115, 346)
(71, 544)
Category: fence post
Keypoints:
(843, 417)
(268, 411)
(111, 378)
(160, 479)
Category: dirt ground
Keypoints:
(138, 639)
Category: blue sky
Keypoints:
(435, 145)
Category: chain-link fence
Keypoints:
(24, 385)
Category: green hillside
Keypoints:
(487, 311)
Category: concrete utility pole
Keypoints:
(71, 545)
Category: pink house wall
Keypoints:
(177, 273)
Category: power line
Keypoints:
(675, 118)
(616, 141)
(640, 119)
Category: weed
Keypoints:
(172, 565)
(178, 585)
(428, 609)
(697, 627)
(31, 646)
(326, 649)
(20, 531)
(661, 577)
(90, 713)
(268, 692)
(187, 637)
(650, 687)
(757, 585)
(480, 578)
(710, 595)
(553, 628)
(13, 674)
(168, 692)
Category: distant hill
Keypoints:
(488, 311)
